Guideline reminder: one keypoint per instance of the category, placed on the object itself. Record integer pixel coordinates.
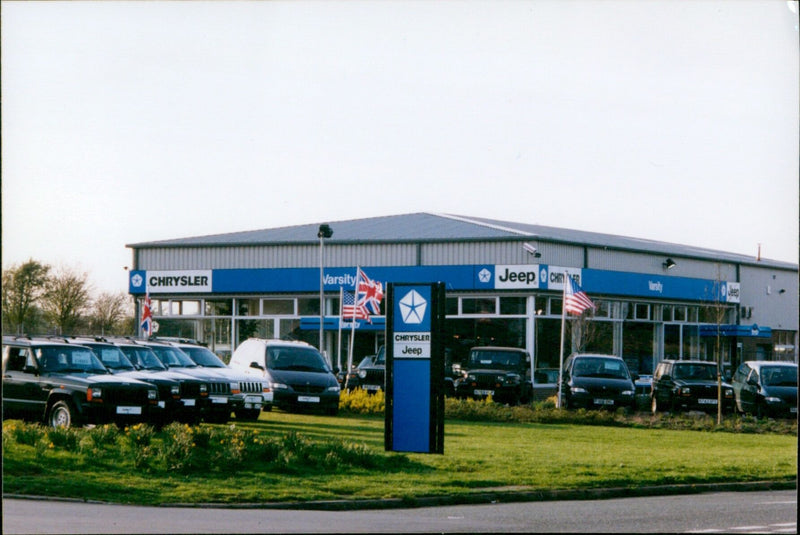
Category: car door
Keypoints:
(22, 393)
(662, 385)
(749, 393)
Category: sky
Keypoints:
(127, 122)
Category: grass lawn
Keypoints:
(328, 458)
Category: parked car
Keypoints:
(684, 385)
(352, 379)
(766, 388)
(545, 383)
(597, 381)
(370, 374)
(64, 384)
(298, 374)
(220, 387)
(504, 373)
(252, 395)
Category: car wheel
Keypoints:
(62, 415)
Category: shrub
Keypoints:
(359, 401)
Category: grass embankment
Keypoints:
(291, 457)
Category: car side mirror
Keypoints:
(256, 366)
(752, 381)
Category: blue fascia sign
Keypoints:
(468, 277)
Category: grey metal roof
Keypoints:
(428, 227)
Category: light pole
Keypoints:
(325, 231)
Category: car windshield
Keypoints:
(112, 357)
(203, 357)
(173, 357)
(295, 359)
(599, 367)
(60, 359)
(143, 358)
(779, 376)
(695, 371)
(380, 358)
(506, 360)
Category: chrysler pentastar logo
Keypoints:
(412, 307)
(484, 275)
(137, 280)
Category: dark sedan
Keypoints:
(597, 381)
(766, 388)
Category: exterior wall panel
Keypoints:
(614, 260)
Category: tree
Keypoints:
(109, 312)
(23, 286)
(66, 300)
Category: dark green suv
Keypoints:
(686, 385)
(64, 384)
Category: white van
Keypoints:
(298, 374)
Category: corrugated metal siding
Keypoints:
(761, 289)
(503, 252)
(647, 263)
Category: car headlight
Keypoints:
(203, 389)
(152, 395)
(94, 394)
(729, 392)
(686, 391)
(334, 388)
(175, 390)
(578, 390)
(627, 392)
(235, 388)
(362, 374)
(772, 399)
(280, 386)
(471, 378)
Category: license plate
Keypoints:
(308, 399)
(793, 410)
(707, 401)
(129, 410)
(188, 402)
(253, 400)
(372, 387)
(268, 396)
(484, 392)
(162, 404)
(598, 401)
(218, 399)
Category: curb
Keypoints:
(478, 498)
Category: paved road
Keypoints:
(713, 512)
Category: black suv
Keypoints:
(64, 384)
(504, 373)
(181, 397)
(369, 375)
(597, 381)
(220, 388)
(688, 385)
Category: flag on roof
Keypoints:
(147, 317)
(575, 299)
(370, 292)
(352, 310)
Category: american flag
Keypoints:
(370, 293)
(575, 299)
(147, 317)
(351, 310)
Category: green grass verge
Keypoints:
(292, 457)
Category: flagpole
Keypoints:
(561, 348)
(339, 346)
(353, 322)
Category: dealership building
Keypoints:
(504, 286)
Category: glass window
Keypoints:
(513, 305)
(642, 311)
(602, 309)
(308, 306)
(219, 307)
(680, 313)
(693, 314)
(555, 306)
(279, 307)
(247, 307)
(667, 313)
(190, 308)
(262, 328)
(479, 305)
(451, 306)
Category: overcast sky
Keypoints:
(136, 121)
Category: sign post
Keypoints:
(415, 367)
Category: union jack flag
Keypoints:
(370, 292)
(351, 310)
(147, 317)
(575, 299)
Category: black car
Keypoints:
(249, 398)
(65, 384)
(597, 381)
(684, 385)
(182, 397)
(766, 388)
(370, 374)
(220, 388)
(504, 373)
